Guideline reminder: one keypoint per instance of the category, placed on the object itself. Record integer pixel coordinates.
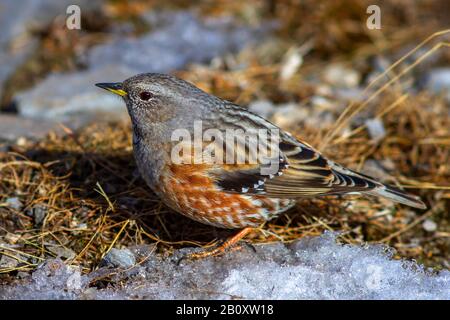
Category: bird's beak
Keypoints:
(114, 87)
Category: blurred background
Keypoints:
(321, 70)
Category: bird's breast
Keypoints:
(189, 190)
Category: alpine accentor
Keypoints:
(227, 194)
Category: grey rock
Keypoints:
(13, 127)
(61, 252)
(376, 129)
(17, 19)
(38, 212)
(177, 39)
(438, 81)
(14, 203)
(318, 114)
(429, 225)
(292, 61)
(10, 59)
(350, 94)
(375, 169)
(7, 262)
(263, 108)
(339, 75)
(65, 97)
(289, 114)
(120, 258)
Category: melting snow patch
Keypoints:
(312, 268)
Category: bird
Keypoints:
(227, 194)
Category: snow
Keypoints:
(311, 268)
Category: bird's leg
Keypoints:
(223, 247)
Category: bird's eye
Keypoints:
(145, 95)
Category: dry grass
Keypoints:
(86, 187)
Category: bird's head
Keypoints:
(158, 97)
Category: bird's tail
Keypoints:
(369, 185)
(397, 195)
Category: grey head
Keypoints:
(154, 98)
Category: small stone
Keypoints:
(263, 108)
(350, 94)
(22, 275)
(375, 127)
(62, 252)
(21, 141)
(8, 262)
(289, 114)
(324, 90)
(14, 203)
(12, 238)
(374, 169)
(38, 212)
(341, 76)
(438, 80)
(429, 225)
(15, 128)
(322, 103)
(388, 164)
(120, 258)
(292, 61)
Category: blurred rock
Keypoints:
(12, 238)
(289, 114)
(322, 103)
(7, 262)
(263, 108)
(350, 94)
(119, 258)
(429, 225)
(17, 19)
(379, 65)
(291, 63)
(318, 113)
(438, 81)
(14, 203)
(61, 252)
(10, 60)
(375, 169)
(73, 96)
(339, 75)
(376, 129)
(38, 212)
(13, 127)
(176, 40)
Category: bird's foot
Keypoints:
(227, 245)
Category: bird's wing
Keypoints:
(302, 172)
(299, 170)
